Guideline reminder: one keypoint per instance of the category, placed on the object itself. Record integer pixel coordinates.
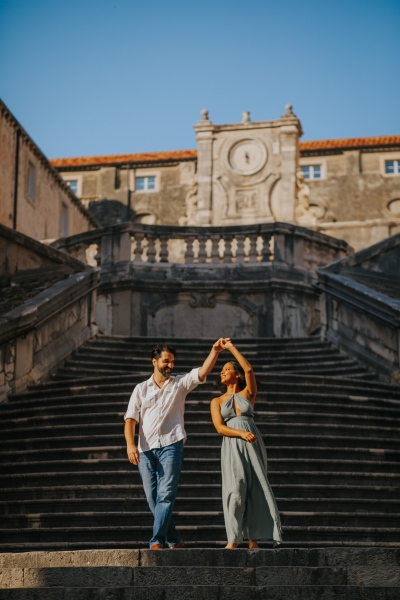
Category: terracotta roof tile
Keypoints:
(384, 140)
(176, 155)
(144, 157)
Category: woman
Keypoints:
(250, 509)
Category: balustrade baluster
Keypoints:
(202, 255)
(151, 249)
(240, 253)
(253, 253)
(228, 254)
(265, 252)
(164, 249)
(215, 258)
(189, 254)
(137, 257)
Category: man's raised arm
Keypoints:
(211, 359)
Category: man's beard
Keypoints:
(164, 371)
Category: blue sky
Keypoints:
(107, 77)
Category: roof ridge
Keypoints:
(173, 155)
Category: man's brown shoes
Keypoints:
(176, 546)
(156, 547)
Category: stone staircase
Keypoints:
(331, 430)
(204, 574)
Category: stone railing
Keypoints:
(37, 335)
(166, 281)
(252, 245)
(361, 294)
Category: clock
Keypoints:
(246, 157)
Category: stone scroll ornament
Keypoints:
(204, 299)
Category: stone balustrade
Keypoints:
(250, 280)
(361, 296)
(233, 245)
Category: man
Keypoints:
(158, 405)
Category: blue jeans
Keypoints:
(160, 469)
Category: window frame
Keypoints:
(313, 161)
(386, 157)
(311, 174)
(78, 180)
(31, 182)
(64, 212)
(146, 177)
(396, 166)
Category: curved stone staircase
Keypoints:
(330, 428)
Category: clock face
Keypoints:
(247, 157)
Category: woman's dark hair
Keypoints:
(239, 371)
(158, 349)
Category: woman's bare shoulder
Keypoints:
(220, 399)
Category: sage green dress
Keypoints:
(250, 510)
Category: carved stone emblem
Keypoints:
(246, 201)
(204, 299)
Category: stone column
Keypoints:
(290, 132)
(204, 135)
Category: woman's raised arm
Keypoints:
(251, 383)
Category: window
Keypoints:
(145, 184)
(392, 167)
(312, 172)
(73, 185)
(64, 220)
(31, 181)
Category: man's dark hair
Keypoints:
(158, 349)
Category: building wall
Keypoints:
(104, 190)
(46, 210)
(354, 186)
(354, 200)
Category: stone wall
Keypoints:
(33, 197)
(107, 191)
(37, 334)
(362, 306)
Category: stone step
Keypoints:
(150, 577)
(140, 362)
(207, 439)
(281, 556)
(201, 592)
(131, 475)
(200, 402)
(78, 369)
(192, 503)
(102, 452)
(303, 426)
(132, 490)
(263, 417)
(291, 383)
(194, 518)
(136, 534)
(204, 344)
(116, 465)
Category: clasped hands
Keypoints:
(223, 344)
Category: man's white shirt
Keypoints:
(160, 411)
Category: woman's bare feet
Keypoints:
(231, 545)
(253, 544)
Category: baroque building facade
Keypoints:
(250, 172)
